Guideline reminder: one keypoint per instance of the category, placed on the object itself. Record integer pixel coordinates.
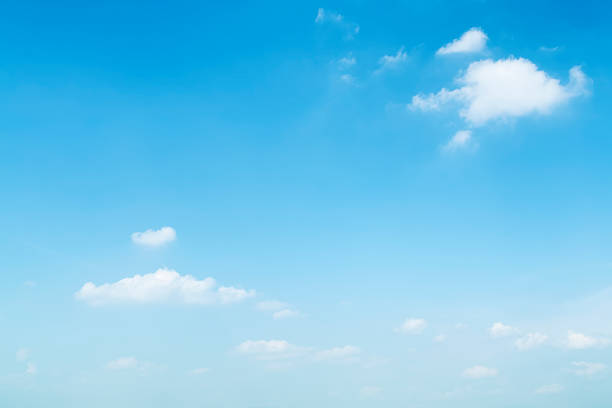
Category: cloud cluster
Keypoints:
(501, 330)
(584, 368)
(473, 40)
(164, 285)
(502, 89)
(389, 62)
(530, 341)
(154, 238)
(579, 341)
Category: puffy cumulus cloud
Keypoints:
(283, 350)
(478, 372)
(473, 40)
(549, 389)
(579, 341)
(164, 285)
(388, 62)
(530, 340)
(154, 238)
(412, 326)
(462, 140)
(501, 330)
(331, 17)
(583, 368)
(502, 89)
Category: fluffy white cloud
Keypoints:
(506, 88)
(412, 326)
(387, 62)
(549, 389)
(478, 372)
(473, 40)
(164, 285)
(581, 341)
(461, 140)
(586, 369)
(154, 238)
(530, 340)
(501, 330)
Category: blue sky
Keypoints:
(346, 204)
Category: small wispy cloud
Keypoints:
(473, 40)
(530, 341)
(412, 326)
(391, 62)
(579, 341)
(331, 17)
(499, 329)
(584, 368)
(478, 372)
(549, 389)
(154, 238)
(462, 140)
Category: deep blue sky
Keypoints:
(290, 160)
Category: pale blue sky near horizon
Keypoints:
(386, 243)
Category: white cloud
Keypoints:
(274, 350)
(347, 78)
(154, 238)
(460, 141)
(478, 372)
(501, 330)
(502, 89)
(473, 40)
(270, 349)
(285, 314)
(164, 285)
(530, 340)
(331, 17)
(583, 368)
(338, 353)
(387, 62)
(346, 62)
(549, 389)
(199, 371)
(22, 354)
(122, 363)
(370, 391)
(31, 369)
(581, 341)
(412, 326)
